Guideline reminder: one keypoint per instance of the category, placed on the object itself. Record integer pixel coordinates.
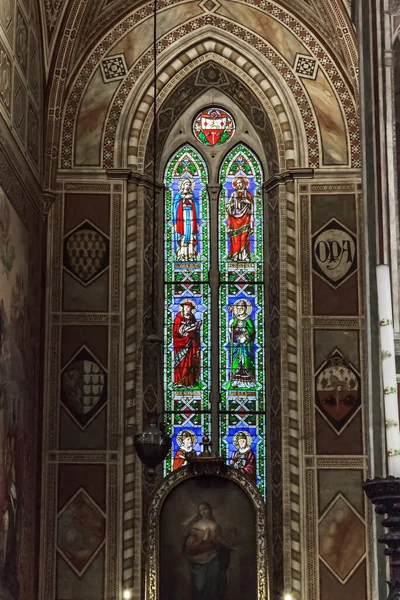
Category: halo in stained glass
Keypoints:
(214, 126)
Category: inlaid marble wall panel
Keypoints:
(342, 536)
(83, 421)
(334, 401)
(334, 254)
(81, 531)
(22, 77)
(330, 119)
(82, 411)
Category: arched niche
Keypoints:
(176, 516)
(246, 132)
(211, 83)
(175, 114)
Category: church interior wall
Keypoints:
(292, 86)
(21, 296)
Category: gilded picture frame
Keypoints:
(168, 485)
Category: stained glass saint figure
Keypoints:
(185, 219)
(244, 458)
(239, 207)
(186, 336)
(187, 440)
(242, 334)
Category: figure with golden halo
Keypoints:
(242, 334)
(185, 216)
(187, 440)
(239, 207)
(244, 458)
(186, 336)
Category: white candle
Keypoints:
(388, 369)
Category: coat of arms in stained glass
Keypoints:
(213, 126)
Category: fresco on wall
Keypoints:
(207, 542)
(13, 344)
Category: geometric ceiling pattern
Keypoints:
(100, 15)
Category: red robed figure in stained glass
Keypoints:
(186, 335)
(244, 458)
(239, 207)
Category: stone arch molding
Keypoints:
(274, 73)
(179, 477)
(286, 80)
(284, 116)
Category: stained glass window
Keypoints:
(241, 295)
(213, 126)
(190, 258)
(187, 299)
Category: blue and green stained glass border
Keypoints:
(252, 424)
(231, 392)
(241, 162)
(198, 424)
(176, 397)
(188, 163)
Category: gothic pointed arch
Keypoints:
(187, 315)
(241, 251)
(287, 71)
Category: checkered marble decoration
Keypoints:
(306, 66)
(113, 68)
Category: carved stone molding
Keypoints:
(124, 174)
(214, 191)
(291, 175)
(138, 179)
(395, 6)
(167, 485)
(48, 199)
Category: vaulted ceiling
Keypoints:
(91, 19)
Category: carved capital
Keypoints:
(291, 175)
(139, 179)
(119, 174)
(47, 202)
(214, 191)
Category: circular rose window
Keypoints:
(213, 126)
